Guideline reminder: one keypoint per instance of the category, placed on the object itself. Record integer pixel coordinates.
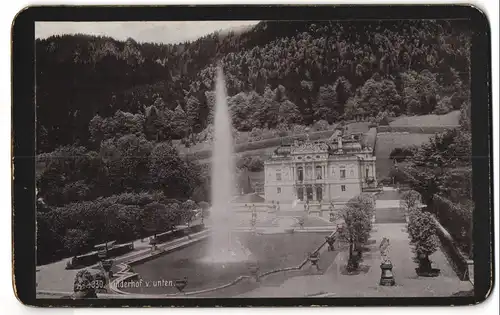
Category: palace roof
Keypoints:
(337, 144)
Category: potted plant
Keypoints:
(83, 287)
(353, 262)
(356, 228)
(422, 231)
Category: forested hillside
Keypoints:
(108, 110)
(299, 72)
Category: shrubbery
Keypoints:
(400, 154)
(457, 219)
(382, 118)
(251, 163)
(440, 171)
(444, 106)
(75, 228)
(321, 125)
(357, 217)
(422, 231)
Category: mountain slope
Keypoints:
(324, 70)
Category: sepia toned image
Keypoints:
(249, 159)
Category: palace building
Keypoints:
(320, 172)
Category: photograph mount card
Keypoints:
(262, 156)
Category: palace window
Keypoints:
(300, 173)
(319, 172)
(278, 175)
(367, 172)
(342, 173)
(278, 190)
(342, 187)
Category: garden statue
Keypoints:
(106, 267)
(314, 259)
(253, 267)
(153, 242)
(301, 222)
(387, 277)
(384, 249)
(330, 240)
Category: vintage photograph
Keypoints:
(249, 159)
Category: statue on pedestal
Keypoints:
(387, 277)
(314, 259)
(330, 240)
(384, 249)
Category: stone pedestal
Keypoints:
(387, 277)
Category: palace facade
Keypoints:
(320, 172)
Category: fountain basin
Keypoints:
(271, 251)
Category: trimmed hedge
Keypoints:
(171, 235)
(93, 258)
(82, 261)
(456, 219)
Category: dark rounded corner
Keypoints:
(21, 297)
(24, 15)
(485, 293)
(479, 17)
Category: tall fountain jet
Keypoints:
(223, 248)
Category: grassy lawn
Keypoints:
(450, 119)
(272, 251)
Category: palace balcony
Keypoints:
(310, 181)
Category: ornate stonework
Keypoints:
(308, 147)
